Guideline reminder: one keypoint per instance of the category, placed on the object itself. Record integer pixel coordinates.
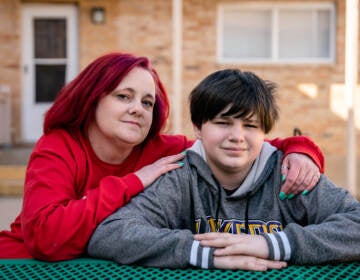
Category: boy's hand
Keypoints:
(301, 175)
(239, 251)
(246, 263)
(228, 244)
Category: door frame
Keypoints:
(32, 113)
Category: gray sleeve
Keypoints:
(148, 231)
(328, 230)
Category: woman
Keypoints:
(102, 146)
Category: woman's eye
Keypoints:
(122, 96)
(148, 104)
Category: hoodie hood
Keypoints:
(250, 183)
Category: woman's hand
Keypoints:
(301, 175)
(149, 173)
(239, 251)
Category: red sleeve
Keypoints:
(301, 144)
(58, 218)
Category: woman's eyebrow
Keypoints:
(149, 95)
(132, 90)
(125, 89)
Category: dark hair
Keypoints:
(246, 93)
(74, 107)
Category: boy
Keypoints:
(229, 184)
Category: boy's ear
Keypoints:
(197, 132)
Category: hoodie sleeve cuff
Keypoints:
(301, 144)
(200, 256)
(279, 246)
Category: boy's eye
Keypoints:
(251, 125)
(222, 123)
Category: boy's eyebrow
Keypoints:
(252, 121)
(249, 117)
(223, 117)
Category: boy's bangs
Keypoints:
(239, 111)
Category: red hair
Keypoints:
(74, 107)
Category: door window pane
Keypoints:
(49, 80)
(50, 38)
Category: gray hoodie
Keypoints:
(156, 228)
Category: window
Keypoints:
(276, 33)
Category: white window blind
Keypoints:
(276, 32)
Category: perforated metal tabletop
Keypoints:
(87, 268)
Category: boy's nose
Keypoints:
(236, 133)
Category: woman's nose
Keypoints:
(136, 107)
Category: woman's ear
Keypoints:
(197, 132)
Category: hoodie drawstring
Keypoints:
(247, 230)
(218, 208)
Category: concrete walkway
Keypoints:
(10, 207)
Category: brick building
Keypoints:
(300, 45)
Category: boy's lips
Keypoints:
(235, 149)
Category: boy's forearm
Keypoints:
(145, 231)
(133, 241)
(318, 244)
(331, 230)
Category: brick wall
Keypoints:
(10, 52)
(310, 96)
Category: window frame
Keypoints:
(273, 8)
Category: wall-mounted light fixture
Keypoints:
(97, 15)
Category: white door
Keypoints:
(49, 60)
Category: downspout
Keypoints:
(351, 73)
(177, 100)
